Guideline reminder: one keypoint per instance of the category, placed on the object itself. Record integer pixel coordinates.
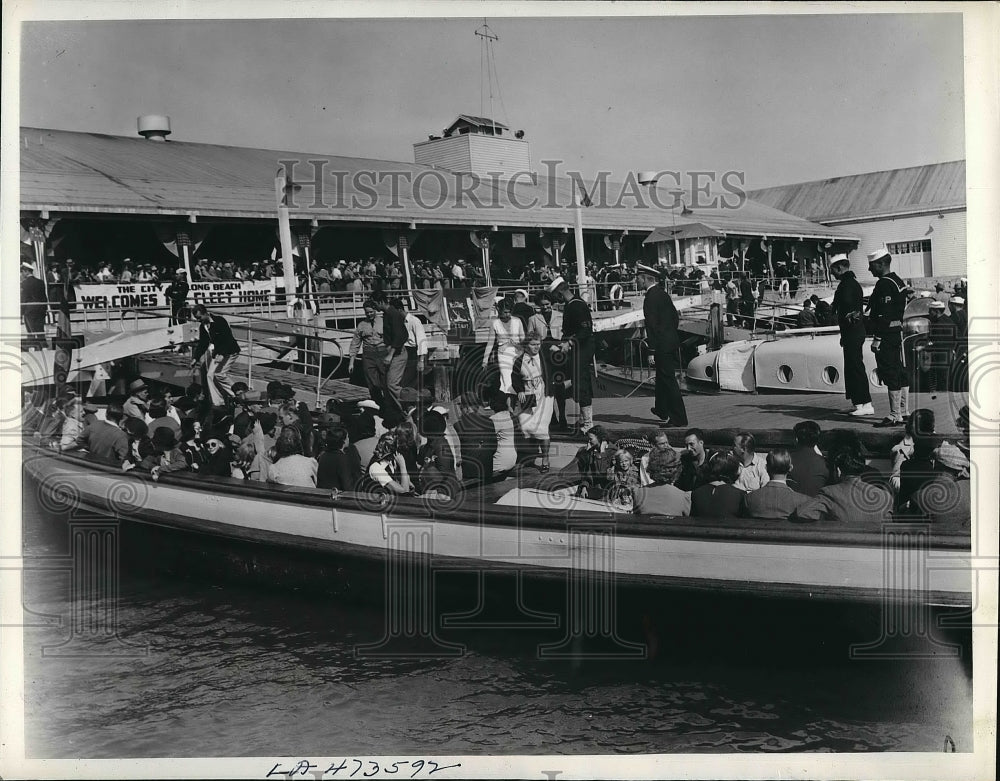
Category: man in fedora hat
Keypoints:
(137, 405)
(847, 306)
(576, 349)
(661, 334)
(885, 311)
(34, 303)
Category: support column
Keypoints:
(285, 236)
(485, 250)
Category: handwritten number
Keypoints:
(418, 766)
(395, 767)
(446, 767)
(360, 765)
(335, 770)
(375, 769)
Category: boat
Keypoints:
(533, 526)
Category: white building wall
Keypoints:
(475, 153)
(946, 234)
(452, 154)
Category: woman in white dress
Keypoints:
(506, 334)
(531, 381)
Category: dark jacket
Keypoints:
(810, 471)
(217, 333)
(340, 470)
(774, 500)
(852, 499)
(661, 319)
(691, 475)
(886, 305)
(716, 501)
(105, 442)
(847, 306)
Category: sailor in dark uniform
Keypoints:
(34, 305)
(662, 320)
(578, 346)
(885, 313)
(847, 306)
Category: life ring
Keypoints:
(616, 294)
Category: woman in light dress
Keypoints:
(506, 334)
(532, 383)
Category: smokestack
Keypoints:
(153, 127)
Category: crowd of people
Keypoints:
(359, 447)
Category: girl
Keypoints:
(531, 380)
(388, 468)
(623, 477)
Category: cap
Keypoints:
(950, 456)
(840, 258)
(27, 266)
(956, 300)
(881, 252)
(164, 438)
(556, 283)
(937, 305)
(137, 385)
(925, 293)
(368, 404)
(440, 408)
(521, 292)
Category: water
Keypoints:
(228, 671)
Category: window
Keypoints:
(909, 247)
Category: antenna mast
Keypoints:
(487, 37)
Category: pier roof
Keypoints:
(880, 194)
(91, 173)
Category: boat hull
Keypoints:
(765, 559)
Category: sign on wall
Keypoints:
(152, 295)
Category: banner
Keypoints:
(152, 295)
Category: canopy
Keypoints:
(690, 230)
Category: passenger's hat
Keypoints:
(556, 283)
(137, 385)
(164, 438)
(521, 292)
(937, 305)
(925, 293)
(239, 386)
(286, 391)
(837, 260)
(950, 456)
(881, 252)
(89, 406)
(957, 300)
(26, 266)
(368, 404)
(440, 409)
(938, 286)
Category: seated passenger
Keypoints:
(694, 461)
(104, 440)
(719, 498)
(753, 465)
(841, 439)
(660, 496)
(158, 417)
(851, 498)
(658, 441)
(139, 445)
(437, 464)
(810, 471)
(339, 466)
(913, 465)
(593, 461)
(775, 499)
(219, 455)
(165, 455)
(290, 466)
(388, 467)
(806, 317)
(946, 498)
(623, 477)
(477, 438)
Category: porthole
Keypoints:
(785, 373)
(709, 371)
(831, 375)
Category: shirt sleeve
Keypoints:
(379, 474)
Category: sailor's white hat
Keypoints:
(440, 409)
(956, 300)
(521, 292)
(881, 252)
(368, 404)
(925, 293)
(841, 258)
(556, 283)
(937, 304)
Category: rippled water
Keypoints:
(226, 670)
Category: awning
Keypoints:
(690, 230)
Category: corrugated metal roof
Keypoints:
(924, 188)
(66, 171)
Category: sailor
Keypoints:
(576, 349)
(959, 317)
(939, 350)
(885, 313)
(847, 305)
(662, 320)
(177, 293)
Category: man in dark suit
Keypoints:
(216, 334)
(34, 304)
(775, 499)
(810, 471)
(661, 334)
